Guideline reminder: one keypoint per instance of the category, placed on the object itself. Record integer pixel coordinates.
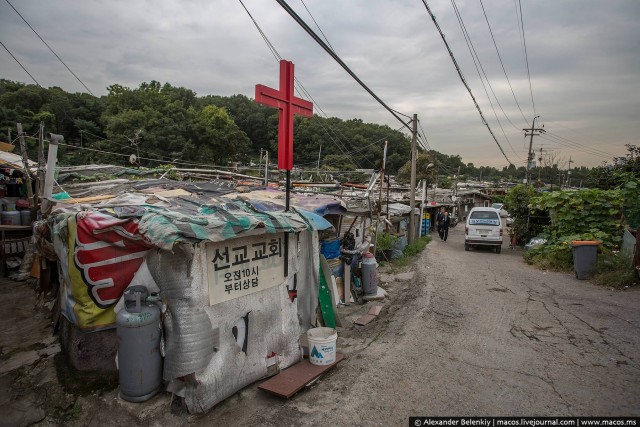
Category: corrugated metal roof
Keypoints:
(14, 161)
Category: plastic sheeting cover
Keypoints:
(308, 279)
(189, 333)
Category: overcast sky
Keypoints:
(584, 62)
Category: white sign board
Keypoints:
(240, 267)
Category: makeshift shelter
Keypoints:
(239, 279)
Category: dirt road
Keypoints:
(475, 333)
(478, 334)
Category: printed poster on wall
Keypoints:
(240, 267)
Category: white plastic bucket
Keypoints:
(322, 345)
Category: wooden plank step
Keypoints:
(293, 379)
(364, 319)
(375, 310)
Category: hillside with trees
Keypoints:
(164, 124)
(167, 124)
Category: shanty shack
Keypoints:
(238, 278)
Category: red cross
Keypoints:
(289, 104)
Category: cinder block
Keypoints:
(88, 351)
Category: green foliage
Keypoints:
(611, 268)
(631, 193)
(614, 270)
(615, 175)
(411, 250)
(593, 212)
(417, 246)
(556, 257)
(422, 170)
(527, 223)
(586, 215)
(445, 182)
(498, 198)
(385, 242)
(171, 172)
(338, 163)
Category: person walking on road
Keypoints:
(446, 222)
(439, 218)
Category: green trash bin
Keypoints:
(585, 255)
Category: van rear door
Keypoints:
(484, 225)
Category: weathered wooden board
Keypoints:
(364, 319)
(293, 379)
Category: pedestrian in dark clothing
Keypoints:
(439, 219)
(446, 221)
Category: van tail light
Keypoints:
(466, 230)
(501, 232)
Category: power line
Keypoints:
(331, 53)
(474, 57)
(526, 57)
(573, 146)
(455, 63)
(158, 157)
(424, 135)
(501, 63)
(16, 59)
(577, 143)
(301, 89)
(45, 43)
(143, 158)
(314, 21)
(336, 140)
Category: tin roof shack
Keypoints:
(239, 280)
(469, 199)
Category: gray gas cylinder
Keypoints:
(369, 274)
(139, 359)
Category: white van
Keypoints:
(483, 228)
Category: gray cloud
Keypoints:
(583, 59)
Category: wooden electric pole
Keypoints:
(532, 133)
(25, 162)
(412, 194)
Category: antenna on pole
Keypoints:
(135, 141)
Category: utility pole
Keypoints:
(27, 174)
(384, 165)
(540, 164)
(266, 169)
(41, 165)
(531, 134)
(569, 173)
(412, 194)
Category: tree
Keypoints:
(613, 175)
(338, 162)
(422, 170)
(217, 138)
(516, 202)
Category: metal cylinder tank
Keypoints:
(139, 359)
(369, 274)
